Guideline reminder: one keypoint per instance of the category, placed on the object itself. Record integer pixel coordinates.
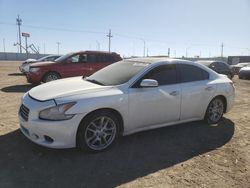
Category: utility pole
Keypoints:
(222, 46)
(19, 23)
(58, 44)
(248, 50)
(43, 48)
(4, 45)
(4, 48)
(144, 47)
(109, 36)
(98, 45)
(168, 52)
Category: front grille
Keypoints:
(24, 112)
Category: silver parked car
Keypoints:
(244, 72)
(26, 64)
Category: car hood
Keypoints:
(245, 69)
(64, 88)
(29, 61)
(41, 64)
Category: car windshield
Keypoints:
(62, 58)
(42, 58)
(117, 73)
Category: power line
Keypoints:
(55, 28)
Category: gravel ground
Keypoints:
(187, 155)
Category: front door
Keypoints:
(76, 65)
(156, 105)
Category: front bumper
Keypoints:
(52, 134)
(34, 78)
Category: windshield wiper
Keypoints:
(94, 81)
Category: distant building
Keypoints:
(233, 60)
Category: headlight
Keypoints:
(34, 69)
(57, 112)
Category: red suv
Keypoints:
(74, 64)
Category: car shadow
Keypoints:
(17, 88)
(16, 74)
(27, 164)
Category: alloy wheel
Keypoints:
(215, 110)
(100, 133)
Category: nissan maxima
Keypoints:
(123, 98)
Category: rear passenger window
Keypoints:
(105, 58)
(190, 73)
(92, 58)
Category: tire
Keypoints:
(229, 76)
(98, 131)
(50, 76)
(215, 111)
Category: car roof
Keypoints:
(97, 52)
(209, 62)
(153, 60)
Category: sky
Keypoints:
(187, 27)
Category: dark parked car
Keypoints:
(219, 67)
(244, 72)
(82, 63)
(26, 64)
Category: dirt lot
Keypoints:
(187, 155)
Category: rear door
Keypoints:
(99, 61)
(196, 89)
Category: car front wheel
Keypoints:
(50, 76)
(98, 131)
(215, 111)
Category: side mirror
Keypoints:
(149, 83)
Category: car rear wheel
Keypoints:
(98, 131)
(50, 76)
(215, 110)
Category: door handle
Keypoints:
(174, 93)
(209, 88)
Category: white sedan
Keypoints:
(126, 97)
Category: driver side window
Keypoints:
(163, 74)
(79, 58)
